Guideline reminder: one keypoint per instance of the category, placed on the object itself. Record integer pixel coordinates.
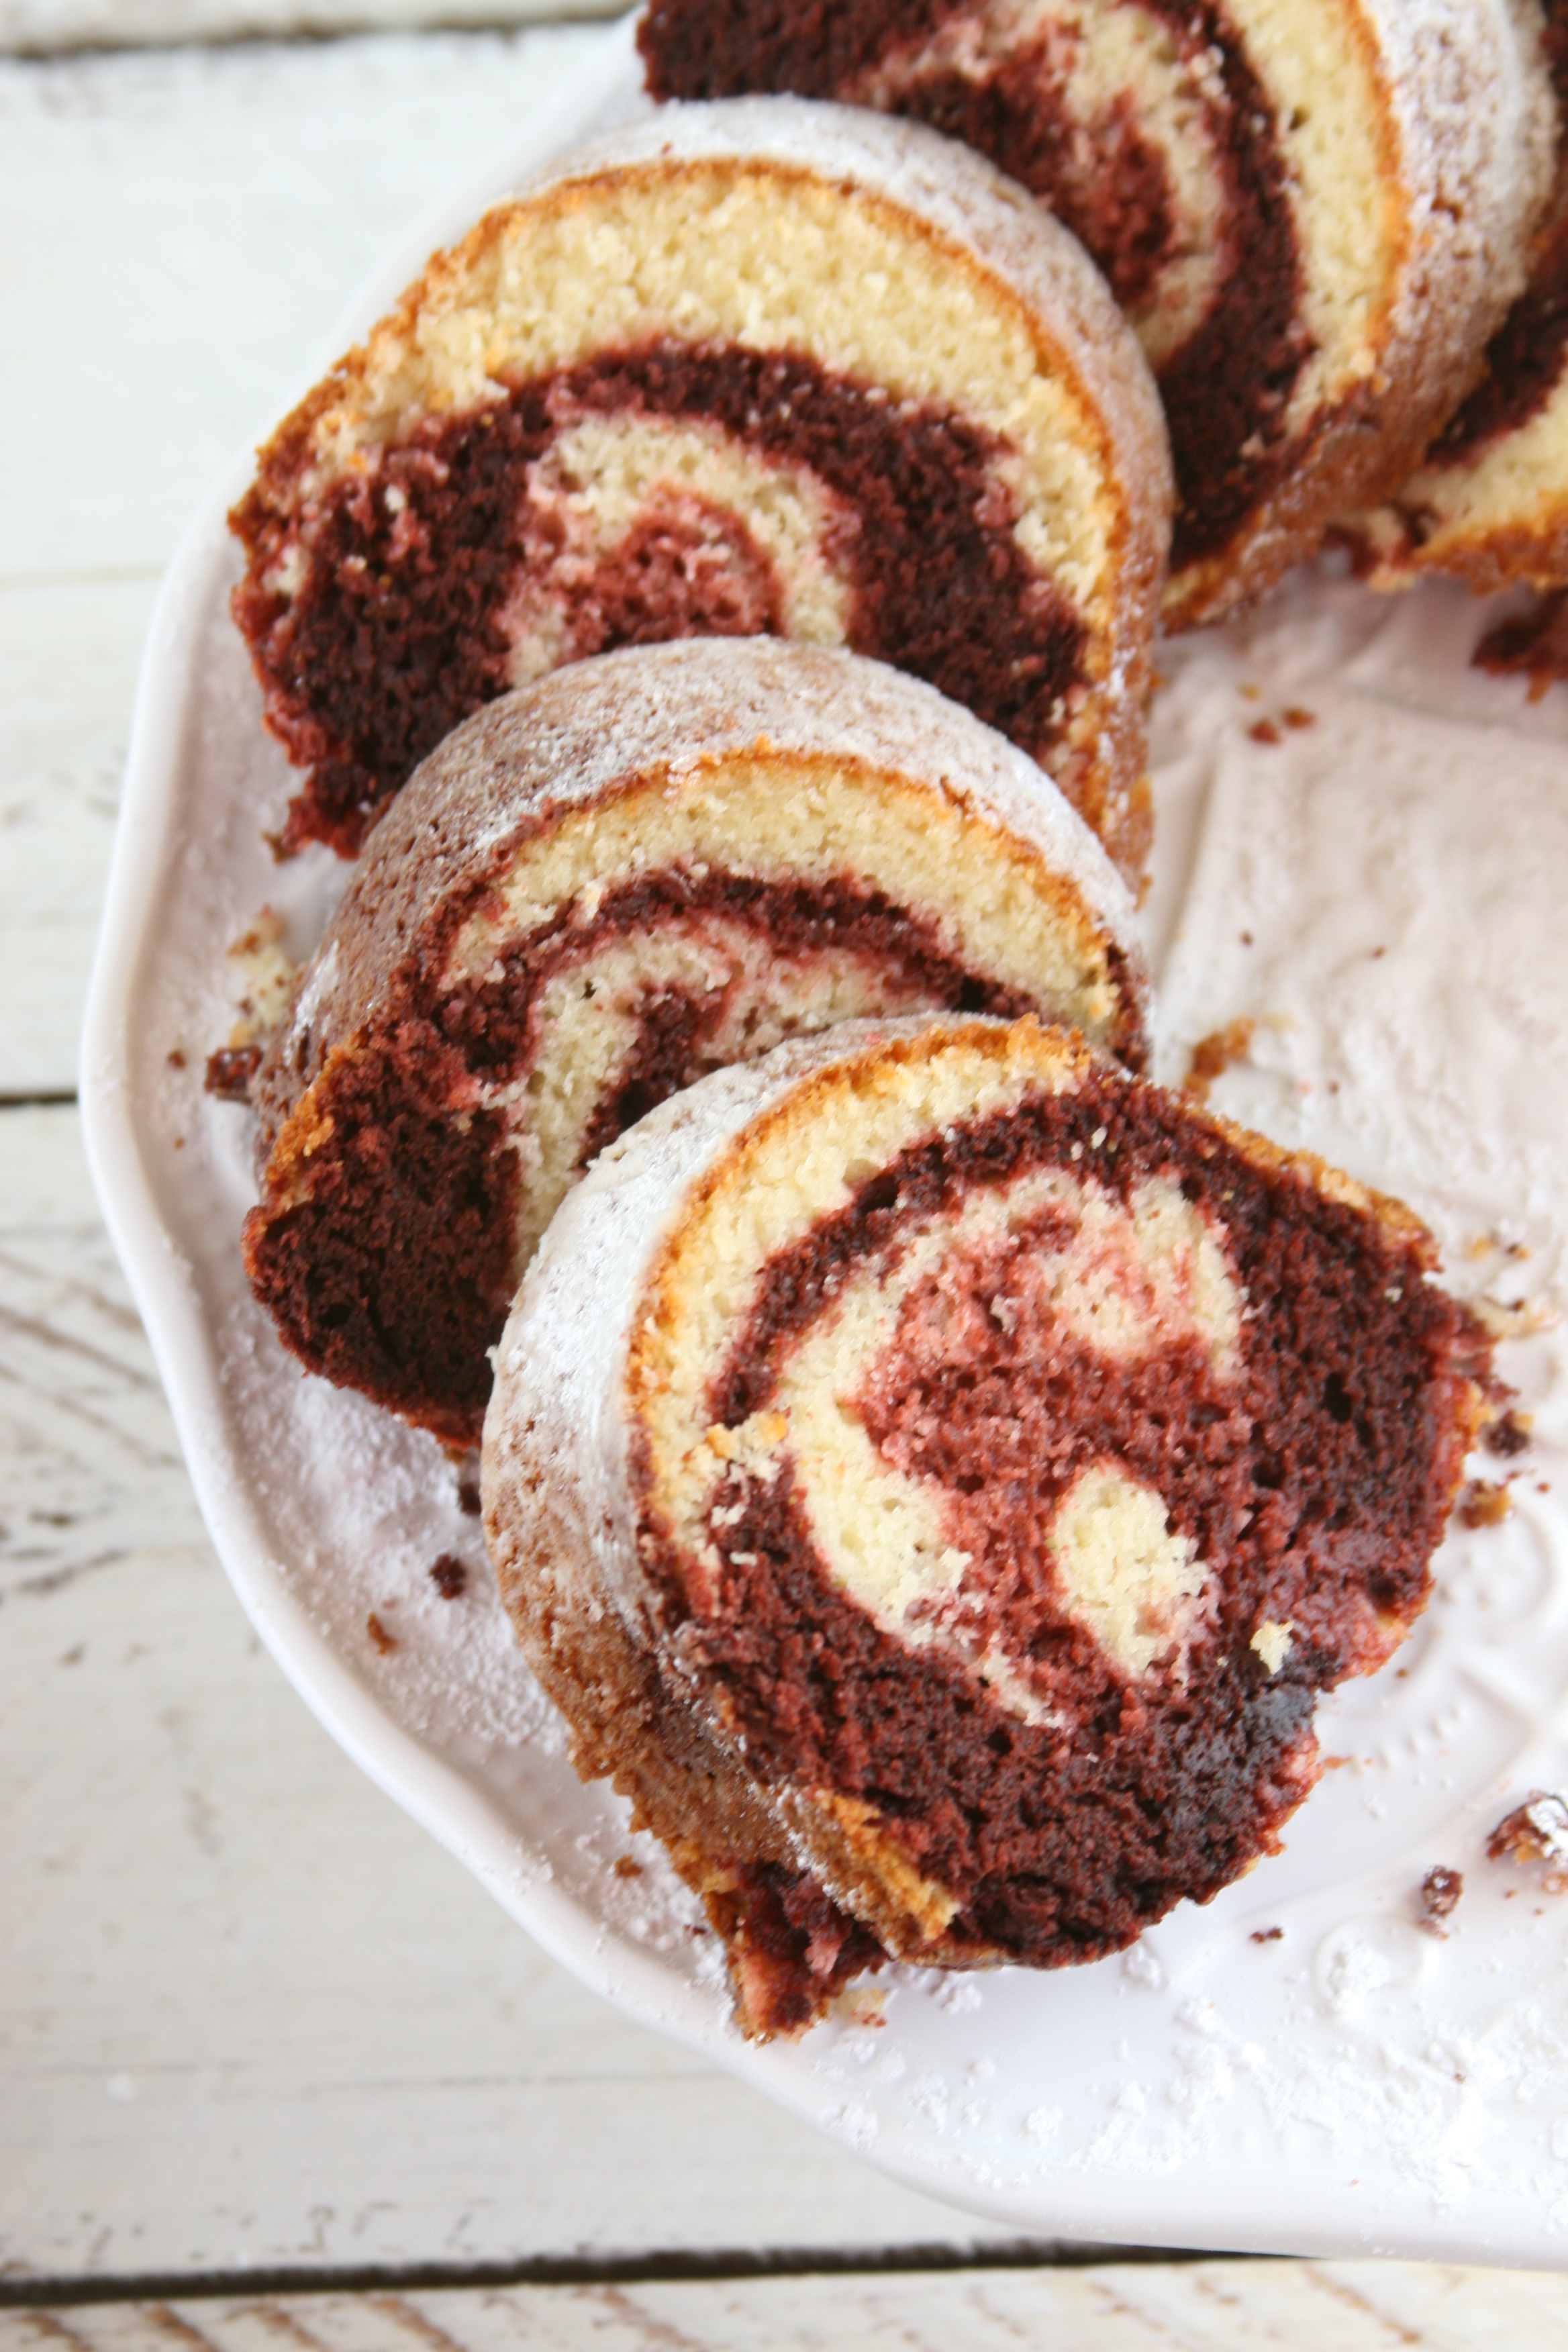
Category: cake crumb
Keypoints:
(1509, 1435)
(1213, 1055)
(1536, 1830)
(1264, 730)
(1271, 1641)
(627, 1866)
(1266, 1936)
(265, 980)
(1297, 718)
(1533, 643)
(449, 1576)
(1516, 1318)
(469, 1498)
(174, 1058)
(379, 1638)
(1440, 1892)
(1484, 1504)
(861, 2005)
(230, 1071)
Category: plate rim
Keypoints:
(1092, 2207)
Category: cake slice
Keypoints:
(1488, 502)
(599, 889)
(763, 368)
(936, 1472)
(1314, 213)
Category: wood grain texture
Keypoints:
(182, 231)
(1243, 2307)
(47, 27)
(250, 2014)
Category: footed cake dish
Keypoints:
(758, 368)
(936, 1472)
(600, 887)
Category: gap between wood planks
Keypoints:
(87, 31)
(587, 2270)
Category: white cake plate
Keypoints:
(1382, 892)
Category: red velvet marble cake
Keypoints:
(599, 889)
(1314, 213)
(762, 368)
(936, 1472)
(1488, 503)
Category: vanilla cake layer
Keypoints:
(601, 887)
(1314, 212)
(760, 368)
(936, 1472)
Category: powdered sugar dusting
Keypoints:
(1351, 2082)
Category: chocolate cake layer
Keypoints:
(757, 368)
(601, 888)
(1226, 384)
(995, 1457)
(1264, 188)
(455, 534)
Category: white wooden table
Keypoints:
(272, 2069)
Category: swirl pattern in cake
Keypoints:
(600, 888)
(936, 1472)
(757, 368)
(1313, 214)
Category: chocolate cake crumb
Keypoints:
(791, 1946)
(1533, 644)
(1536, 1831)
(1440, 1892)
(1509, 1435)
(627, 1866)
(379, 1638)
(1227, 388)
(174, 1058)
(1265, 731)
(1483, 1504)
(230, 1071)
(1213, 1055)
(469, 1498)
(449, 1576)
(1266, 1936)
(360, 687)
(1297, 718)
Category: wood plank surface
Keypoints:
(250, 2016)
(183, 230)
(1242, 2306)
(47, 27)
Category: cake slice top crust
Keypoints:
(740, 370)
(482, 845)
(1314, 210)
(600, 888)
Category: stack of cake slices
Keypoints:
(934, 1471)
(1338, 226)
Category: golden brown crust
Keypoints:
(1024, 277)
(1425, 350)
